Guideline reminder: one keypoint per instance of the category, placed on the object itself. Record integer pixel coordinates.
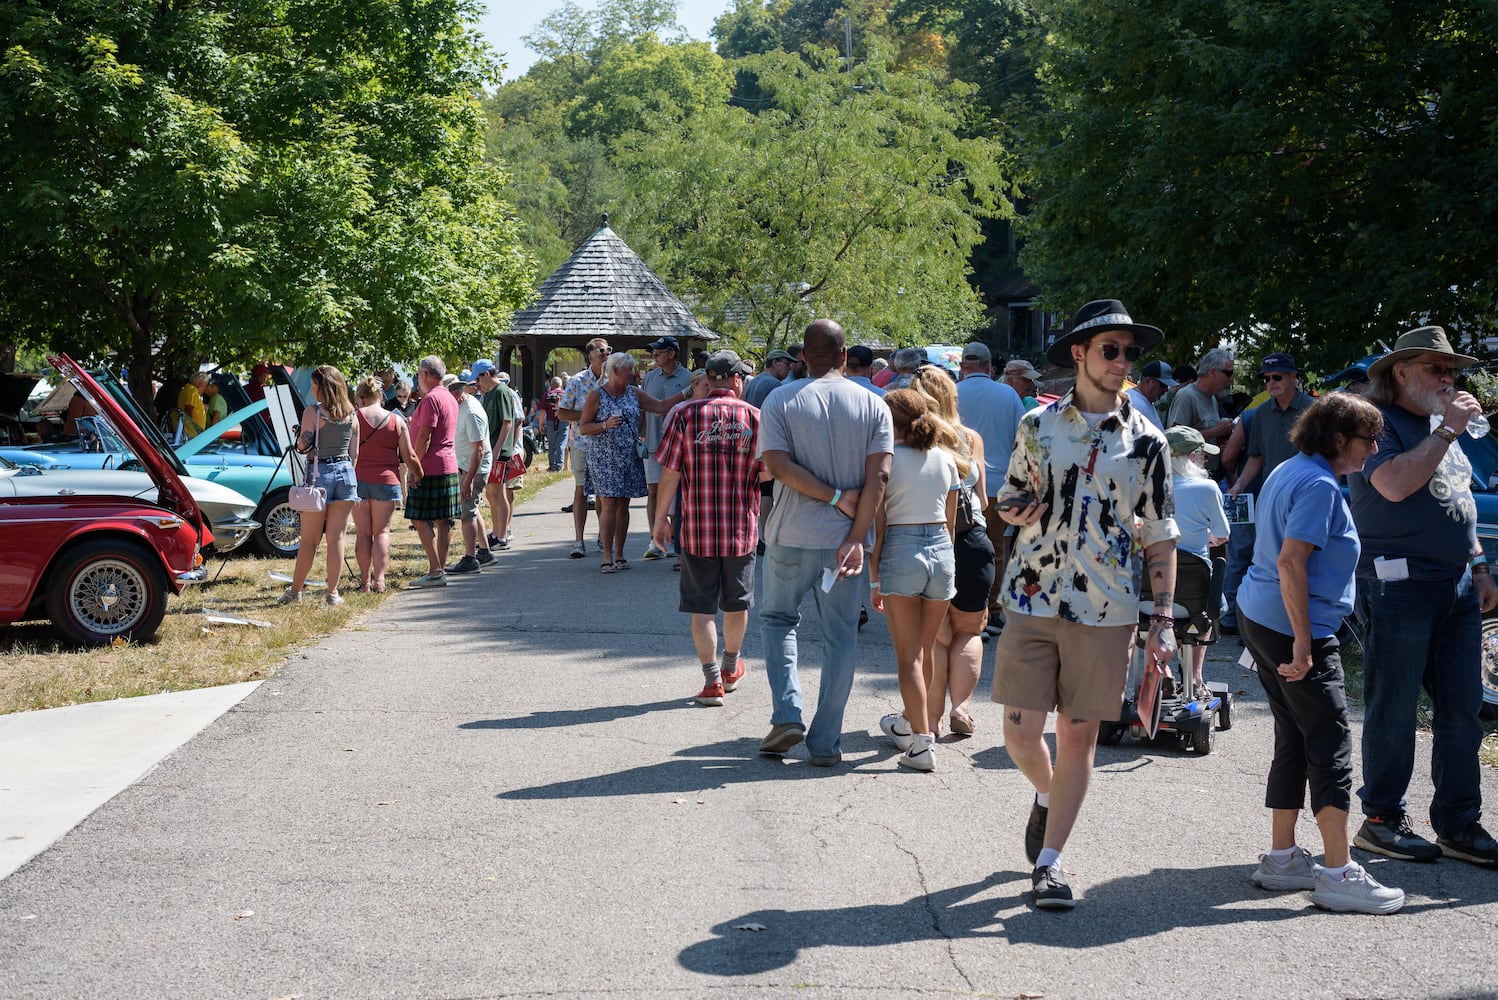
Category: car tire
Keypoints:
(107, 589)
(1489, 663)
(280, 531)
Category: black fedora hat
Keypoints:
(1094, 318)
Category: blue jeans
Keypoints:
(789, 574)
(1240, 557)
(1422, 633)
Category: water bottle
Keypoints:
(1478, 426)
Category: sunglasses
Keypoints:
(1274, 376)
(1110, 352)
(1441, 371)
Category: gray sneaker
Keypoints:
(468, 564)
(783, 736)
(897, 729)
(485, 557)
(1355, 892)
(1283, 876)
(438, 579)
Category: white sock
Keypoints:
(1043, 799)
(1284, 855)
(1048, 856)
(1340, 872)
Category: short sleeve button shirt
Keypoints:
(1108, 494)
(712, 443)
(573, 398)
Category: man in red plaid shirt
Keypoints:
(708, 452)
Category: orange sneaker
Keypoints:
(712, 694)
(731, 680)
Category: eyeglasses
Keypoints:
(1274, 376)
(1226, 371)
(1372, 441)
(1441, 371)
(1110, 352)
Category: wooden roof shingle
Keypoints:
(605, 290)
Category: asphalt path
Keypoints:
(504, 789)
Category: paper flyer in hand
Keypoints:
(1239, 509)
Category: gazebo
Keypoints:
(603, 290)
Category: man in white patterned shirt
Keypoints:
(1088, 485)
(570, 409)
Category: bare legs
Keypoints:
(372, 542)
(1066, 780)
(958, 665)
(613, 526)
(1331, 821)
(333, 522)
(913, 624)
(705, 634)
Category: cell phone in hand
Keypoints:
(1015, 503)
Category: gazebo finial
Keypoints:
(605, 221)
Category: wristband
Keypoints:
(836, 496)
(873, 584)
(1479, 560)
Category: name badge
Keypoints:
(1392, 569)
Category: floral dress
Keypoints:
(614, 467)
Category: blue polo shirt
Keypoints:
(1301, 500)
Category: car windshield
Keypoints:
(127, 403)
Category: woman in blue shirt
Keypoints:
(1290, 605)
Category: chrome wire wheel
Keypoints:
(109, 597)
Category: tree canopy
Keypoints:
(279, 178)
(1306, 175)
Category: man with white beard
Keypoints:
(1423, 585)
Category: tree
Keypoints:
(1314, 176)
(845, 195)
(285, 178)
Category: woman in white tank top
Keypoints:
(912, 569)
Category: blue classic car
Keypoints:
(239, 465)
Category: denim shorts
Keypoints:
(389, 492)
(337, 478)
(918, 561)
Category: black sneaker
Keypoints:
(468, 564)
(1393, 837)
(485, 557)
(1035, 831)
(493, 539)
(1473, 844)
(1052, 891)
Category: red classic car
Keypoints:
(100, 567)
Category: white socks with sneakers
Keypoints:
(920, 741)
(1043, 799)
(1048, 856)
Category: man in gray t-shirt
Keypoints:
(828, 443)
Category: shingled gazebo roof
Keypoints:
(603, 290)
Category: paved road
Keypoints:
(503, 790)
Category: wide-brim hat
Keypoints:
(1094, 318)
(1422, 340)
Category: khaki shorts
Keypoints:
(1048, 664)
(579, 466)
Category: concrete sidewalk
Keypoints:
(503, 789)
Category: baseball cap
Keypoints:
(778, 355)
(1279, 361)
(1159, 371)
(482, 365)
(860, 355)
(1184, 440)
(664, 344)
(724, 364)
(907, 359)
(977, 352)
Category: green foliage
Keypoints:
(847, 196)
(286, 178)
(1314, 175)
(646, 79)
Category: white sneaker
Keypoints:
(1282, 876)
(922, 753)
(333, 599)
(897, 729)
(1355, 892)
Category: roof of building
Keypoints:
(605, 290)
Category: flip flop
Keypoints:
(607, 567)
(621, 564)
(962, 725)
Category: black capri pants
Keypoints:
(1312, 737)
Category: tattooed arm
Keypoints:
(1160, 570)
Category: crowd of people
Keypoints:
(965, 510)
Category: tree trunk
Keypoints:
(7, 359)
(139, 362)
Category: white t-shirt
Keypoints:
(472, 428)
(919, 482)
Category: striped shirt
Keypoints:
(711, 442)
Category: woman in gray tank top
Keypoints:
(328, 430)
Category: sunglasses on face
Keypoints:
(1274, 376)
(1110, 352)
(1441, 371)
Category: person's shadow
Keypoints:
(578, 716)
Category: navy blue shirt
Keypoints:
(1302, 500)
(1435, 527)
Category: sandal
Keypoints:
(607, 567)
(962, 725)
(621, 564)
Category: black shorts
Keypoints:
(767, 489)
(975, 569)
(713, 583)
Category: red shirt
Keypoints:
(439, 411)
(711, 442)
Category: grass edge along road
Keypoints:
(38, 670)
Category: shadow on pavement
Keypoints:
(938, 916)
(580, 716)
(712, 765)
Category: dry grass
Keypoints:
(39, 671)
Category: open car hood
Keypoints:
(174, 493)
(193, 445)
(15, 390)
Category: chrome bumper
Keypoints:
(231, 533)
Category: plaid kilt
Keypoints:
(435, 498)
